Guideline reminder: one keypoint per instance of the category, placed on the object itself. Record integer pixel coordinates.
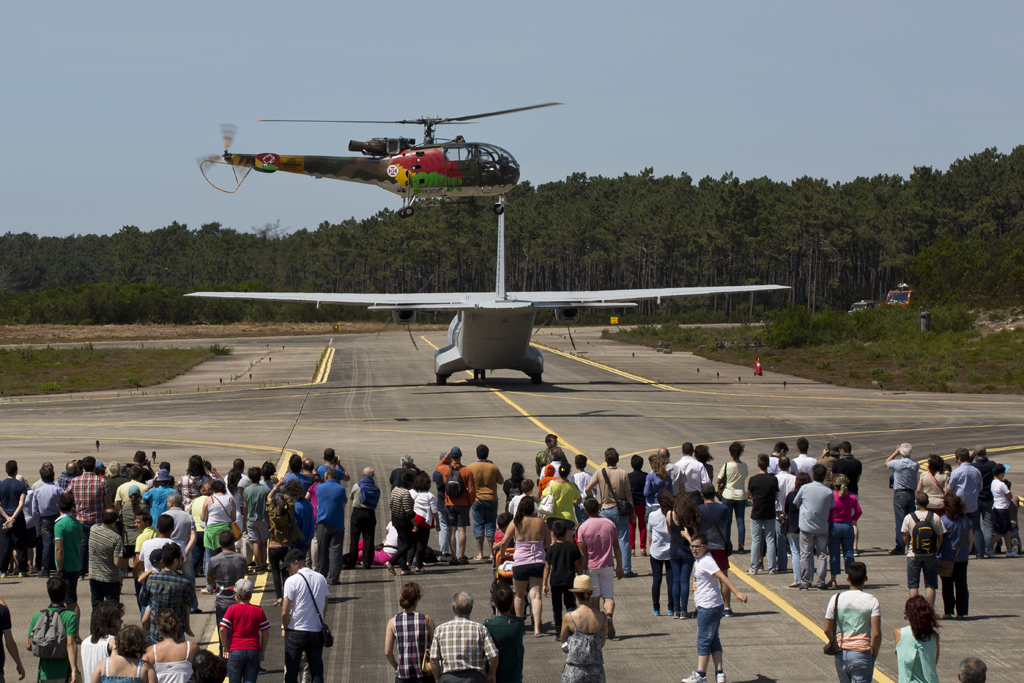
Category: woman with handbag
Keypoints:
(219, 513)
(563, 497)
(732, 491)
(933, 482)
(853, 624)
(408, 637)
(953, 557)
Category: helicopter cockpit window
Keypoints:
(459, 153)
(485, 155)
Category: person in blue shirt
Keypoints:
(330, 526)
(904, 486)
(295, 473)
(304, 516)
(331, 460)
(156, 497)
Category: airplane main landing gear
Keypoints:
(442, 380)
(499, 209)
(479, 374)
(405, 212)
(535, 379)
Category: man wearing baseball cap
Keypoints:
(156, 497)
(302, 618)
(460, 492)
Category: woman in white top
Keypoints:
(104, 624)
(660, 555)
(126, 665)
(424, 505)
(734, 493)
(219, 512)
(171, 658)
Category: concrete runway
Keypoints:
(379, 401)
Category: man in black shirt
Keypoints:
(852, 468)
(407, 465)
(985, 498)
(763, 489)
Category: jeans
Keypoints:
(297, 643)
(83, 548)
(330, 547)
(902, 505)
(840, 534)
(657, 567)
(622, 528)
(641, 521)
(979, 538)
(48, 543)
(682, 569)
(781, 547)
(102, 590)
(243, 666)
(854, 667)
(812, 545)
(762, 531)
(485, 516)
(794, 550)
(955, 596)
(739, 509)
(442, 533)
(708, 621)
(364, 525)
(198, 558)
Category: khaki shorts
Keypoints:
(604, 582)
(258, 532)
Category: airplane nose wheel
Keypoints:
(405, 212)
(479, 374)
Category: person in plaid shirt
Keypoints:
(65, 477)
(166, 589)
(92, 497)
(463, 649)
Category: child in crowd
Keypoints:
(245, 633)
(1002, 501)
(527, 491)
(563, 562)
(504, 519)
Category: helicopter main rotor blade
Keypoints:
(499, 113)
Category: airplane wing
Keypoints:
(617, 298)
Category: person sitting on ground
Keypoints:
(583, 637)
(126, 663)
(917, 644)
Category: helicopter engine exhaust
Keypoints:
(567, 315)
(403, 317)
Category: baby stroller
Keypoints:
(499, 574)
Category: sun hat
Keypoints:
(582, 584)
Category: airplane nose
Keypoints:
(510, 173)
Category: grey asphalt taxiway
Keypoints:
(378, 401)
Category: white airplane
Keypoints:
(491, 330)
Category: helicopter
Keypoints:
(431, 173)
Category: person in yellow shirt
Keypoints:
(487, 478)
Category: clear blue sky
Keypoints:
(106, 105)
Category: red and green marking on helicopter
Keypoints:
(432, 171)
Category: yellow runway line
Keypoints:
(788, 608)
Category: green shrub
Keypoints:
(51, 387)
(219, 350)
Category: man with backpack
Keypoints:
(51, 636)
(363, 520)
(459, 494)
(922, 534)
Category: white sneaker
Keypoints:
(720, 677)
(1012, 553)
(695, 678)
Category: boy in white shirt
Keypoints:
(707, 596)
(1002, 499)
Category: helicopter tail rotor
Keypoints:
(227, 136)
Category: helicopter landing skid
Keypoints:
(234, 169)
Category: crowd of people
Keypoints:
(569, 535)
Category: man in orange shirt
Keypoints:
(459, 495)
(486, 478)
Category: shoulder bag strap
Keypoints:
(214, 496)
(312, 596)
(717, 528)
(835, 618)
(937, 484)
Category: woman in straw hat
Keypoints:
(583, 637)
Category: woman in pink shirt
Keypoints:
(840, 524)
